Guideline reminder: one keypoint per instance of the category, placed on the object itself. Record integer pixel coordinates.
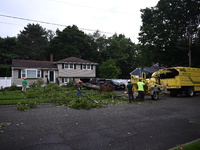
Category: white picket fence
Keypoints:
(5, 82)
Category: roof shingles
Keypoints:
(75, 60)
(32, 64)
(48, 64)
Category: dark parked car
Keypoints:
(98, 81)
(118, 85)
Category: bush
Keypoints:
(26, 105)
(61, 100)
(36, 84)
(66, 96)
(83, 103)
(108, 95)
(12, 88)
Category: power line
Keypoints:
(50, 23)
(55, 24)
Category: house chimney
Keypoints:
(51, 57)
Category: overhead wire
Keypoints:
(50, 23)
(56, 24)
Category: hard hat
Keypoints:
(129, 80)
(79, 81)
(24, 78)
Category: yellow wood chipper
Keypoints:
(152, 87)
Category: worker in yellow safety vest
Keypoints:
(140, 85)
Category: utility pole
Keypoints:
(189, 31)
(190, 53)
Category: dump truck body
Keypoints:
(179, 80)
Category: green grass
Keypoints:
(13, 102)
(4, 95)
(191, 146)
(61, 96)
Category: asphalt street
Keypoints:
(151, 125)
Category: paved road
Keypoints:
(151, 125)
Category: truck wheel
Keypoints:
(190, 92)
(154, 96)
(173, 93)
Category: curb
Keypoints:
(179, 146)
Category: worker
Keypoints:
(140, 85)
(130, 91)
(24, 84)
(79, 89)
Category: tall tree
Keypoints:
(163, 32)
(100, 44)
(109, 70)
(123, 51)
(7, 46)
(32, 43)
(72, 42)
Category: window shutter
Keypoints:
(19, 73)
(62, 66)
(62, 80)
(81, 66)
(92, 67)
(74, 66)
(42, 73)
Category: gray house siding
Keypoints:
(78, 72)
(52, 72)
(17, 77)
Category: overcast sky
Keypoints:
(111, 16)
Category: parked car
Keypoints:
(98, 81)
(118, 85)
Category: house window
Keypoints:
(38, 73)
(23, 74)
(86, 67)
(31, 73)
(66, 80)
(69, 66)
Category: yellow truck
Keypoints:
(179, 80)
(152, 87)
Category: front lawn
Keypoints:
(195, 145)
(60, 96)
(6, 95)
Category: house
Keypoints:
(61, 71)
(73, 68)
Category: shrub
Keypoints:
(83, 103)
(12, 88)
(33, 85)
(108, 95)
(35, 93)
(61, 100)
(51, 87)
(36, 84)
(26, 105)
(40, 82)
(3, 125)
(70, 84)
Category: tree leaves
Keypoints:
(32, 43)
(109, 70)
(163, 32)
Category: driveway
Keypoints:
(151, 125)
